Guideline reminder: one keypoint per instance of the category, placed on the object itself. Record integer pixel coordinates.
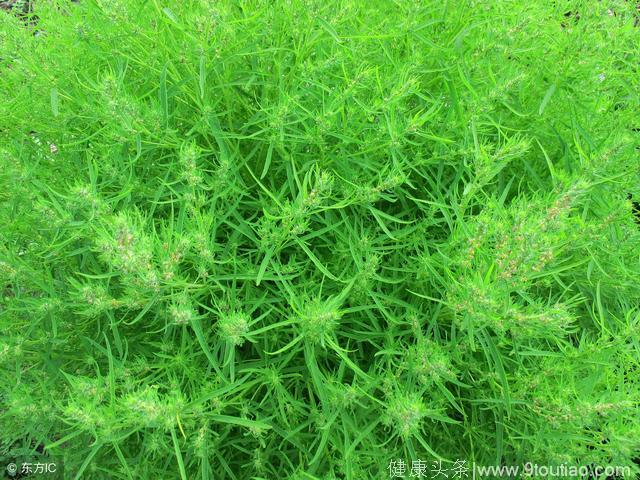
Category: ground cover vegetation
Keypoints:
(265, 240)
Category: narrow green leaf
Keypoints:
(87, 460)
(267, 161)
(242, 422)
(176, 447)
(172, 16)
(546, 99)
(197, 328)
(163, 96)
(54, 101)
(202, 78)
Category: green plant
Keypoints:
(303, 239)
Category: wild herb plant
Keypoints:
(264, 240)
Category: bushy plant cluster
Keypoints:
(268, 240)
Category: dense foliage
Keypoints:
(265, 240)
